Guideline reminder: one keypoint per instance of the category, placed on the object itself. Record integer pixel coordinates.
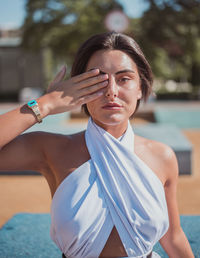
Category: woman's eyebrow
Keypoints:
(121, 71)
(125, 71)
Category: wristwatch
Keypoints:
(33, 105)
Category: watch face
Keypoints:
(32, 103)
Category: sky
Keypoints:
(12, 12)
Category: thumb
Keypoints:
(60, 75)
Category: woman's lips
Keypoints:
(112, 106)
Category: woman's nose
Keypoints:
(111, 89)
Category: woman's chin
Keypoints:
(113, 120)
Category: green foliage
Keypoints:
(63, 25)
(168, 32)
(170, 38)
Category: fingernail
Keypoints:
(104, 76)
(99, 93)
(105, 82)
(95, 70)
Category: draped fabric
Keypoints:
(113, 188)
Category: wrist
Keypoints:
(33, 105)
(44, 106)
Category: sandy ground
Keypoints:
(23, 194)
(188, 194)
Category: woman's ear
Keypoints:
(139, 95)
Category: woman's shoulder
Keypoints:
(55, 142)
(161, 150)
(59, 139)
(159, 155)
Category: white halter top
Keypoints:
(113, 188)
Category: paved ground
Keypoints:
(31, 193)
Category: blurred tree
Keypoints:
(61, 25)
(169, 32)
(170, 36)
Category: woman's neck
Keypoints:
(116, 130)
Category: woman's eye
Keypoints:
(124, 79)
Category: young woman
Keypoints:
(114, 193)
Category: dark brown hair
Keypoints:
(115, 41)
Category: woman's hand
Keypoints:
(65, 95)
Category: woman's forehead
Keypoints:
(111, 59)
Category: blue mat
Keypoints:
(182, 117)
(27, 235)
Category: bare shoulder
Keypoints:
(40, 141)
(53, 142)
(158, 156)
(37, 147)
(54, 148)
(69, 151)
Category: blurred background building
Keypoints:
(19, 69)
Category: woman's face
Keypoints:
(119, 100)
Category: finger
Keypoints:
(91, 97)
(83, 76)
(60, 75)
(94, 88)
(92, 81)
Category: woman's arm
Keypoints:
(26, 151)
(174, 242)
